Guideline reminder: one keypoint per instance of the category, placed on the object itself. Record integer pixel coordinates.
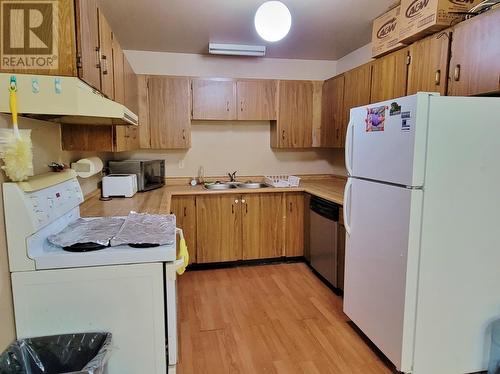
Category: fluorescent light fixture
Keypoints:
(273, 21)
(236, 49)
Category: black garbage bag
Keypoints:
(59, 354)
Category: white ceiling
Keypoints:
(321, 29)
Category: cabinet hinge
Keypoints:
(79, 64)
(408, 60)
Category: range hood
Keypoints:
(63, 100)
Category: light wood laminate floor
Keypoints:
(267, 319)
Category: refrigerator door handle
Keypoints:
(348, 145)
(347, 206)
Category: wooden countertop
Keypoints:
(158, 201)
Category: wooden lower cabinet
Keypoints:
(262, 226)
(294, 204)
(218, 228)
(184, 208)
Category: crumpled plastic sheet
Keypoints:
(88, 230)
(86, 353)
(142, 228)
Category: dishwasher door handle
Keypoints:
(347, 206)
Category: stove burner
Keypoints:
(84, 247)
(143, 245)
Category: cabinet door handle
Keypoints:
(243, 201)
(227, 106)
(283, 135)
(232, 208)
(456, 73)
(185, 211)
(236, 201)
(291, 207)
(183, 134)
(97, 57)
(104, 60)
(437, 77)
(241, 105)
(338, 133)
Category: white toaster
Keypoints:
(123, 185)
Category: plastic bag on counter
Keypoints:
(146, 229)
(86, 353)
(88, 230)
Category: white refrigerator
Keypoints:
(422, 214)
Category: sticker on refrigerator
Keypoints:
(406, 115)
(375, 119)
(395, 109)
(405, 125)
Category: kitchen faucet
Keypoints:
(232, 176)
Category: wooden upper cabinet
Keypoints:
(429, 64)
(332, 121)
(256, 99)
(218, 227)
(294, 227)
(88, 42)
(118, 72)
(389, 76)
(357, 83)
(262, 225)
(169, 117)
(293, 128)
(106, 56)
(475, 56)
(131, 87)
(87, 138)
(214, 99)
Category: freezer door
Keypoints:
(386, 141)
(381, 265)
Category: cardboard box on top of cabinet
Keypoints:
(423, 17)
(385, 35)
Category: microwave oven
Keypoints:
(150, 173)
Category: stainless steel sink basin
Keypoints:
(220, 186)
(252, 185)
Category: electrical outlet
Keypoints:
(181, 164)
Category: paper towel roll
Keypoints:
(87, 167)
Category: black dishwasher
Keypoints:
(324, 217)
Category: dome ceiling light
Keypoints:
(273, 21)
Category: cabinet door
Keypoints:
(428, 67)
(262, 226)
(357, 83)
(256, 100)
(184, 208)
(88, 42)
(143, 112)
(293, 128)
(218, 227)
(332, 121)
(389, 76)
(106, 56)
(214, 99)
(118, 72)
(475, 56)
(294, 224)
(131, 88)
(87, 138)
(169, 122)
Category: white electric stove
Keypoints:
(128, 291)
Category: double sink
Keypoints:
(231, 185)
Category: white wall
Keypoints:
(186, 64)
(354, 59)
(222, 147)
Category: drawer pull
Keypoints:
(437, 77)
